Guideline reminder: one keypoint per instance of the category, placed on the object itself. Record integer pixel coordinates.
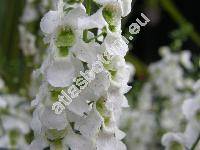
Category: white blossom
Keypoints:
(167, 106)
(89, 72)
(14, 122)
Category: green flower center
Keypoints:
(54, 94)
(65, 39)
(101, 108)
(55, 135)
(13, 135)
(110, 14)
(112, 71)
(176, 146)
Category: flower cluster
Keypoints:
(171, 87)
(30, 36)
(31, 44)
(77, 36)
(140, 126)
(160, 104)
(81, 83)
(190, 137)
(14, 122)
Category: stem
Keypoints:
(195, 143)
(88, 11)
(169, 6)
(88, 6)
(85, 35)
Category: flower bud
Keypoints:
(112, 15)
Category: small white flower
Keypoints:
(62, 71)
(115, 45)
(14, 122)
(3, 103)
(53, 19)
(94, 21)
(51, 120)
(50, 22)
(90, 126)
(109, 142)
(87, 52)
(27, 41)
(78, 142)
(37, 144)
(191, 108)
(191, 134)
(185, 60)
(125, 5)
(30, 14)
(137, 124)
(174, 141)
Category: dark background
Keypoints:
(157, 33)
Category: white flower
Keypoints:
(50, 22)
(191, 107)
(37, 144)
(185, 60)
(87, 52)
(93, 92)
(52, 121)
(109, 142)
(140, 127)
(115, 45)
(125, 5)
(174, 141)
(191, 134)
(196, 86)
(30, 14)
(15, 120)
(78, 142)
(90, 126)
(53, 19)
(3, 103)
(158, 107)
(94, 21)
(120, 73)
(27, 41)
(62, 71)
